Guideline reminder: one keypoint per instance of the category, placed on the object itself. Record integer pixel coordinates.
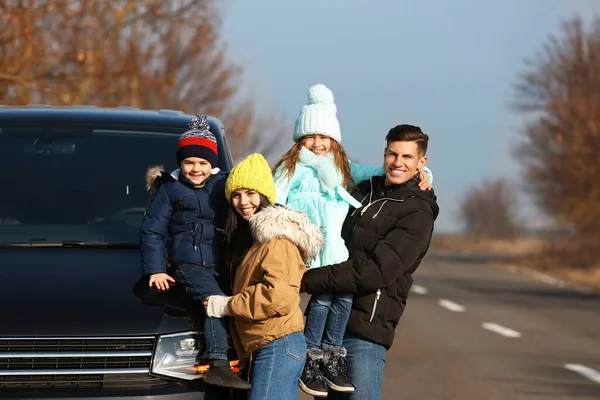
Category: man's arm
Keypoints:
(393, 256)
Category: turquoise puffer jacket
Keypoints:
(316, 189)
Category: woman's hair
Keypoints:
(238, 238)
(288, 161)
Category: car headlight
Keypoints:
(177, 356)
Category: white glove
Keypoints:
(218, 306)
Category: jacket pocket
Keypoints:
(178, 209)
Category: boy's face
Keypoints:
(196, 169)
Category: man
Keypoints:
(387, 238)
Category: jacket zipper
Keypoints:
(370, 196)
(194, 229)
(378, 294)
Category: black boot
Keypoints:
(311, 381)
(335, 369)
(221, 375)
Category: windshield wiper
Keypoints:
(104, 245)
(74, 243)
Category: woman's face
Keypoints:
(246, 202)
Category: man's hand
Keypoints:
(425, 184)
(161, 281)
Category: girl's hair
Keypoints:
(238, 238)
(288, 161)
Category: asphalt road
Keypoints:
(476, 331)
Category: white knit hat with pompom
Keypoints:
(318, 116)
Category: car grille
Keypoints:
(76, 363)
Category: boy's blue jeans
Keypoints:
(276, 368)
(326, 319)
(201, 282)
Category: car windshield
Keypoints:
(76, 182)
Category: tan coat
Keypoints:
(266, 291)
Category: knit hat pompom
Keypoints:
(318, 116)
(320, 94)
(199, 123)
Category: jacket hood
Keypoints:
(152, 176)
(274, 221)
(158, 171)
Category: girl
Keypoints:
(312, 177)
(268, 247)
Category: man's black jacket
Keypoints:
(387, 238)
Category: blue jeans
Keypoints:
(201, 282)
(365, 364)
(326, 319)
(276, 368)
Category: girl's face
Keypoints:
(196, 169)
(246, 202)
(318, 144)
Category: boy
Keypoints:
(185, 207)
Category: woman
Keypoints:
(268, 247)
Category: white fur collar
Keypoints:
(276, 221)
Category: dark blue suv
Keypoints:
(77, 321)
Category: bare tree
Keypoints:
(490, 210)
(145, 53)
(559, 92)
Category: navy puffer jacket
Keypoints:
(185, 217)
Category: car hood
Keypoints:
(84, 291)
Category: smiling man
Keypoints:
(387, 238)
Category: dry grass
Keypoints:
(462, 244)
(527, 252)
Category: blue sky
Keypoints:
(445, 65)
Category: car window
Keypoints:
(62, 182)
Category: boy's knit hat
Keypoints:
(253, 172)
(198, 141)
(318, 116)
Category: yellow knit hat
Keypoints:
(253, 172)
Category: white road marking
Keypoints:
(450, 305)
(501, 330)
(587, 372)
(540, 276)
(418, 289)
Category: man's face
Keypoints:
(401, 162)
